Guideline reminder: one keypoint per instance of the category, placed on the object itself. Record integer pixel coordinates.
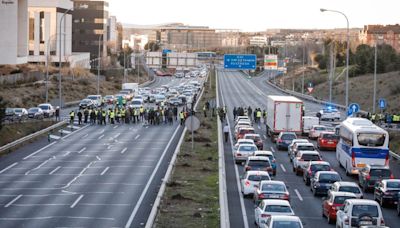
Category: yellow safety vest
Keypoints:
(181, 115)
(72, 114)
(112, 114)
(104, 114)
(259, 114)
(141, 110)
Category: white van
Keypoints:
(308, 122)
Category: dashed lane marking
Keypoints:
(77, 201)
(101, 136)
(104, 171)
(298, 194)
(13, 201)
(123, 151)
(83, 149)
(137, 136)
(283, 168)
(55, 170)
(8, 167)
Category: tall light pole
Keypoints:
(60, 51)
(98, 66)
(375, 63)
(47, 66)
(347, 52)
(302, 79)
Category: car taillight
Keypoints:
(265, 216)
(279, 140)
(273, 161)
(323, 141)
(285, 196)
(247, 183)
(248, 168)
(261, 196)
(309, 172)
(346, 221)
(382, 222)
(368, 177)
(353, 159)
(387, 159)
(391, 176)
(238, 154)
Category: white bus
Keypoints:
(361, 143)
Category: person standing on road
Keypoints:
(58, 113)
(205, 111)
(86, 115)
(72, 117)
(182, 117)
(79, 117)
(226, 132)
(249, 112)
(234, 113)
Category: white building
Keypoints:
(44, 34)
(230, 42)
(259, 41)
(136, 42)
(14, 31)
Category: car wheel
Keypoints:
(314, 192)
(294, 169)
(323, 215)
(329, 220)
(307, 182)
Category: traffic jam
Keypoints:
(360, 148)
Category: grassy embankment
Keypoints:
(191, 196)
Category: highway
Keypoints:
(237, 90)
(96, 176)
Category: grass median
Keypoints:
(191, 197)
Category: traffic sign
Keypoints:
(310, 87)
(382, 103)
(353, 108)
(192, 123)
(240, 62)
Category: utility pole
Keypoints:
(375, 65)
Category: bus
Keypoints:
(361, 143)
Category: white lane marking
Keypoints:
(272, 149)
(265, 137)
(73, 127)
(98, 158)
(298, 194)
(144, 192)
(123, 151)
(109, 147)
(244, 213)
(104, 171)
(8, 167)
(13, 201)
(38, 151)
(101, 136)
(55, 170)
(117, 135)
(55, 137)
(55, 217)
(76, 201)
(85, 136)
(137, 136)
(116, 126)
(65, 132)
(83, 149)
(67, 153)
(39, 166)
(102, 131)
(76, 177)
(283, 168)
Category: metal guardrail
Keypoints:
(31, 136)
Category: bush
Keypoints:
(84, 81)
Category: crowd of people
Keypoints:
(255, 115)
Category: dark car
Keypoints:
(371, 174)
(86, 103)
(257, 140)
(387, 192)
(35, 113)
(322, 182)
(312, 167)
(9, 115)
(285, 139)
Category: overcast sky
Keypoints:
(257, 15)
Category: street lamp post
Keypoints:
(47, 66)
(347, 52)
(375, 63)
(98, 66)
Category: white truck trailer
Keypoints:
(284, 114)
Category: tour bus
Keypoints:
(361, 143)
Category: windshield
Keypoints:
(371, 139)
(352, 189)
(320, 168)
(288, 137)
(44, 107)
(319, 128)
(393, 184)
(248, 148)
(258, 177)
(136, 102)
(341, 199)
(92, 97)
(15, 110)
(371, 210)
(286, 224)
(259, 163)
(328, 178)
(273, 187)
(245, 131)
(33, 110)
(278, 208)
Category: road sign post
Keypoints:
(382, 104)
(240, 62)
(353, 109)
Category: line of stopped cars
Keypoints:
(344, 202)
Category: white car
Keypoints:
(243, 141)
(329, 114)
(299, 147)
(347, 186)
(302, 158)
(97, 99)
(48, 110)
(136, 103)
(294, 141)
(251, 179)
(243, 152)
(316, 131)
(269, 207)
(359, 212)
(282, 221)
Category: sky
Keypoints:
(257, 15)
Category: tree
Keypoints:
(363, 57)
(2, 111)
(152, 46)
(321, 60)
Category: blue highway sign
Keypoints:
(353, 108)
(382, 103)
(240, 62)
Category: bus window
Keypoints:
(372, 140)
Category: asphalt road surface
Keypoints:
(91, 176)
(237, 90)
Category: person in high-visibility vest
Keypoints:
(103, 117)
(182, 117)
(258, 115)
(123, 113)
(112, 116)
(205, 110)
(72, 117)
(141, 110)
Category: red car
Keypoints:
(332, 203)
(327, 141)
(244, 130)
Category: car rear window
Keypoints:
(330, 136)
(305, 148)
(392, 184)
(371, 210)
(258, 177)
(263, 163)
(286, 224)
(278, 208)
(310, 157)
(341, 199)
(248, 148)
(246, 131)
(318, 167)
(352, 189)
(273, 187)
(380, 172)
(288, 137)
(329, 178)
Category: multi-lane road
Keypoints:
(236, 90)
(96, 176)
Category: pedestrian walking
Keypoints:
(58, 113)
(71, 117)
(226, 132)
(79, 117)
